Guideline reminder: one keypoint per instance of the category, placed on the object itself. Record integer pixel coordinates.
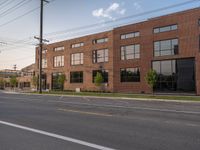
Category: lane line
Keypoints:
(85, 112)
(80, 142)
(109, 106)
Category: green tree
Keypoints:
(35, 81)
(61, 81)
(98, 80)
(2, 83)
(13, 81)
(151, 78)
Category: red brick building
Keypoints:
(168, 44)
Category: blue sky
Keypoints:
(17, 43)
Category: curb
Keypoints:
(116, 98)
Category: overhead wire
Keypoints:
(6, 3)
(21, 16)
(14, 8)
(132, 16)
(122, 18)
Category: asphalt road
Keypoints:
(36, 122)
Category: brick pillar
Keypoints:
(197, 69)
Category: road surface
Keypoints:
(41, 122)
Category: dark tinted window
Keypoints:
(76, 77)
(55, 83)
(130, 75)
(175, 75)
(104, 74)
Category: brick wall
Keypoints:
(187, 33)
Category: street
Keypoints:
(42, 122)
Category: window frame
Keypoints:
(59, 48)
(79, 80)
(73, 60)
(55, 61)
(44, 63)
(124, 79)
(105, 39)
(124, 57)
(172, 50)
(170, 26)
(77, 45)
(126, 34)
(95, 57)
(103, 72)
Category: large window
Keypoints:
(102, 40)
(175, 75)
(165, 28)
(130, 75)
(130, 52)
(44, 51)
(100, 56)
(77, 45)
(44, 63)
(77, 59)
(130, 35)
(76, 77)
(166, 47)
(55, 83)
(58, 61)
(60, 48)
(104, 74)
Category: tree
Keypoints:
(61, 81)
(98, 80)
(2, 83)
(13, 81)
(35, 81)
(152, 78)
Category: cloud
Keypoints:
(113, 10)
(137, 6)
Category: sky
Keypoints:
(65, 19)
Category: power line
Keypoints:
(3, 2)
(123, 18)
(172, 6)
(105, 28)
(21, 16)
(96, 25)
(6, 3)
(15, 7)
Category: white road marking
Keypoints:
(109, 106)
(80, 142)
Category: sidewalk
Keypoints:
(144, 97)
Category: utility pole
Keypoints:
(15, 67)
(41, 44)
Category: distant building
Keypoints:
(169, 44)
(7, 73)
(24, 77)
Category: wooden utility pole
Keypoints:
(41, 44)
